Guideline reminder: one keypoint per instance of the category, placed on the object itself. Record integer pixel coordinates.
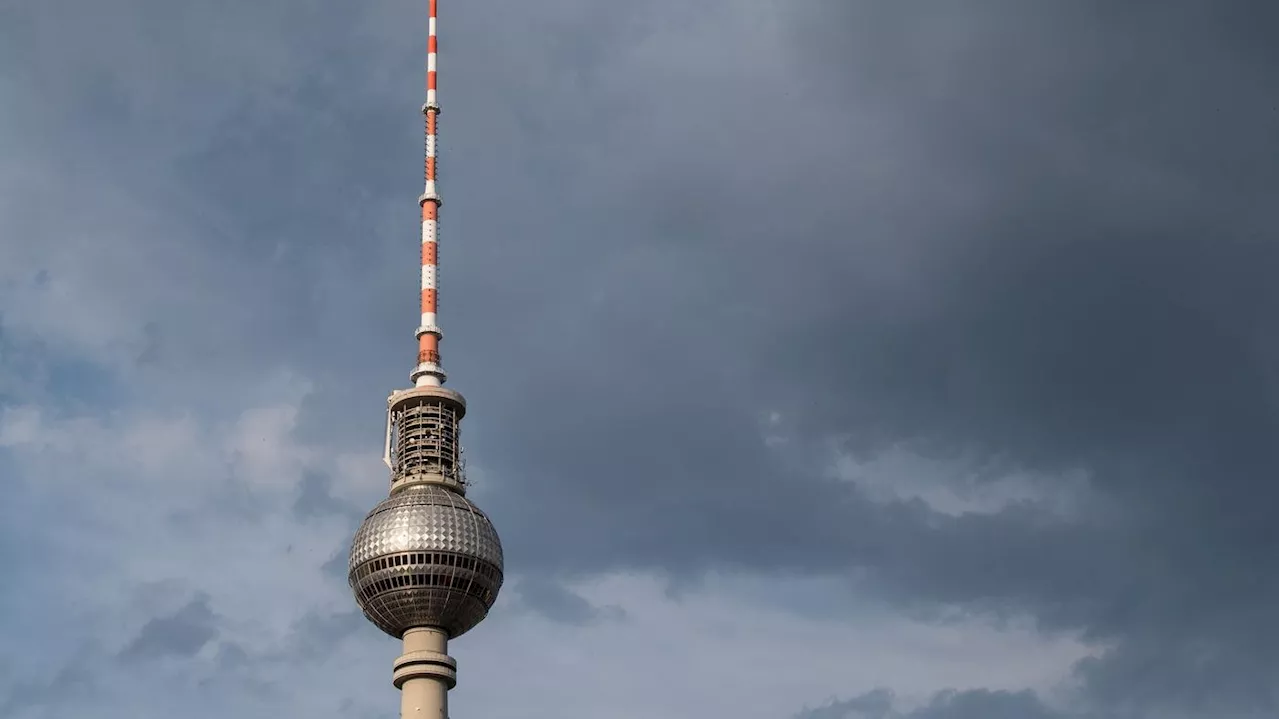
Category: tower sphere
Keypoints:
(425, 557)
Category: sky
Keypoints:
(825, 359)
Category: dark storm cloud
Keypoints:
(181, 634)
(1111, 310)
(1041, 233)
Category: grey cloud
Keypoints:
(316, 500)
(984, 704)
(949, 704)
(336, 566)
(231, 656)
(181, 634)
(559, 604)
(69, 684)
(875, 704)
(318, 633)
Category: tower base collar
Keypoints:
(425, 665)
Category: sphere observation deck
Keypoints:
(425, 557)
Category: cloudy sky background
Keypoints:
(827, 360)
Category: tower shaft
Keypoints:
(424, 674)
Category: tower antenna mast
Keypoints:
(429, 371)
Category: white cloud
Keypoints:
(153, 494)
(21, 427)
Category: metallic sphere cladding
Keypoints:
(426, 557)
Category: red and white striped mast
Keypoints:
(429, 372)
(438, 449)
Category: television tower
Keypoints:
(426, 564)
